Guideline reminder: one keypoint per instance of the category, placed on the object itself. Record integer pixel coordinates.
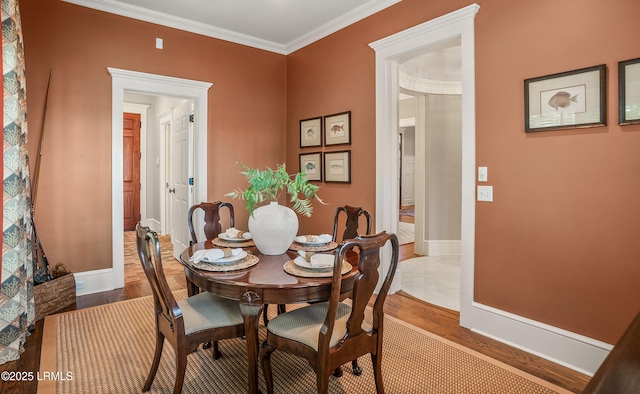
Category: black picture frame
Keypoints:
(311, 132)
(567, 100)
(337, 129)
(311, 165)
(629, 92)
(337, 166)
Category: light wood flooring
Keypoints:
(438, 320)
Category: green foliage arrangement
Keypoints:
(268, 184)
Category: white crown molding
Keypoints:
(429, 86)
(355, 15)
(159, 18)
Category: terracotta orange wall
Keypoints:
(560, 243)
(246, 114)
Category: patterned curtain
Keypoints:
(16, 299)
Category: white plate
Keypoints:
(225, 237)
(302, 241)
(301, 262)
(228, 260)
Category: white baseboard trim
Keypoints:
(153, 224)
(578, 352)
(94, 281)
(444, 248)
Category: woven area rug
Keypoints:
(109, 348)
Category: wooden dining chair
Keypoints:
(212, 226)
(619, 372)
(329, 334)
(352, 220)
(186, 323)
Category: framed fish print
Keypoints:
(311, 132)
(337, 166)
(629, 92)
(311, 165)
(337, 129)
(571, 99)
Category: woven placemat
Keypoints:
(308, 248)
(247, 262)
(290, 267)
(233, 244)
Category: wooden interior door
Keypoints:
(131, 168)
(182, 191)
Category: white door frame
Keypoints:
(566, 348)
(150, 84)
(165, 119)
(390, 53)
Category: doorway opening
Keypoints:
(137, 82)
(431, 130)
(167, 158)
(391, 52)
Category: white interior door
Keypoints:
(181, 190)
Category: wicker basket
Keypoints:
(56, 294)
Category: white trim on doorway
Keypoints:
(139, 82)
(572, 350)
(390, 53)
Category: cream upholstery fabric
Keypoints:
(303, 324)
(205, 310)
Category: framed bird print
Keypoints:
(337, 129)
(571, 99)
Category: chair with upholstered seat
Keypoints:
(212, 226)
(186, 323)
(329, 334)
(351, 223)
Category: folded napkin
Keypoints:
(317, 259)
(235, 233)
(314, 238)
(211, 255)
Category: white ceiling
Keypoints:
(281, 26)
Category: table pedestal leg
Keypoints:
(251, 315)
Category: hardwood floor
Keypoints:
(438, 320)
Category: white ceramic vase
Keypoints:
(273, 228)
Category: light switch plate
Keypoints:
(482, 174)
(485, 193)
(159, 43)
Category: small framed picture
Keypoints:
(311, 165)
(337, 166)
(629, 92)
(572, 99)
(311, 132)
(337, 129)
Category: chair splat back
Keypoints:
(149, 253)
(212, 225)
(366, 279)
(352, 220)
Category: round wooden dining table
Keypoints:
(256, 286)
